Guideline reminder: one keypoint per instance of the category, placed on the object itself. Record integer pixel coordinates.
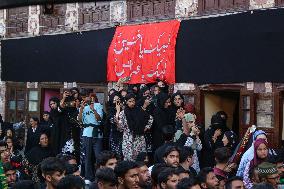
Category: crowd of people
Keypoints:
(144, 138)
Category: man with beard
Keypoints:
(186, 160)
(171, 156)
(10, 173)
(168, 179)
(207, 178)
(128, 175)
(107, 159)
(144, 175)
(53, 171)
(168, 132)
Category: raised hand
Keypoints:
(118, 106)
(180, 113)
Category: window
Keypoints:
(141, 10)
(101, 97)
(246, 110)
(52, 18)
(264, 113)
(93, 14)
(188, 99)
(33, 101)
(216, 6)
(279, 2)
(16, 103)
(17, 21)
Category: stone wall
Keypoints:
(2, 83)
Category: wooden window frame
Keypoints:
(201, 9)
(279, 3)
(17, 87)
(140, 5)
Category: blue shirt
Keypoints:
(89, 117)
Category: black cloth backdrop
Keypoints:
(235, 48)
(70, 57)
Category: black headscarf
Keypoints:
(232, 138)
(111, 98)
(132, 90)
(41, 152)
(223, 116)
(142, 91)
(165, 114)
(111, 105)
(173, 97)
(218, 123)
(161, 100)
(111, 90)
(136, 117)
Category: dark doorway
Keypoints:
(227, 101)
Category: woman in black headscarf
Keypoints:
(115, 136)
(230, 140)
(61, 131)
(143, 94)
(134, 122)
(41, 151)
(213, 139)
(162, 117)
(55, 130)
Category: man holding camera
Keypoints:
(91, 114)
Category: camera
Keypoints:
(69, 100)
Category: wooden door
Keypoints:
(262, 110)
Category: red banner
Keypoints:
(143, 53)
